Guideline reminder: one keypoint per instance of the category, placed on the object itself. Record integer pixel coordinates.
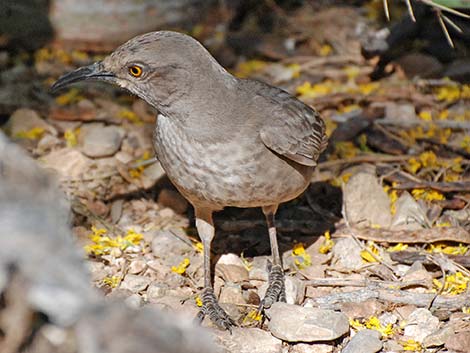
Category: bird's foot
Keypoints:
(211, 307)
(276, 289)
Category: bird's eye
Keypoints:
(135, 70)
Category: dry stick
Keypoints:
(444, 277)
(334, 301)
(451, 124)
(371, 283)
(371, 158)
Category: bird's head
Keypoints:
(159, 67)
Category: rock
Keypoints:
(347, 254)
(439, 337)
(248, 340)
(420, 323)
(295, 290)
(366, 202)
(152, 174)
(156, 290)
(99, 141)
(231, 293)
(365, 341)
(67, 162)
(418, 273)
(363, 309)
(23, 120)
(409, 214)
(231, 268)
(136, 266)
(459, 342)
(173, 200)
(400, 112)
(167, 244)
(135, 283)
(134, 301)
(259, 268)
(311, 348)
(294, 323)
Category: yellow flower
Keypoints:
(197, 245)
(103, 245)
(71, 137)
(449, 93)
(247, 68)
(327, 244)
(137, 172)
(398, 247)
(198, 301)
(413, 165)
(181, 268)
(113, 281)
(448, 249)
(465, 143)
(301, 258)
(373, 323)
(454, 284)
(444, 115)
(307, 90)
(32, 134)
(425, 115)
(427, 195)
(428, 159)
(366, 254)
(71, 97)
(411, 345)
(130, 116)
(368, 88)
(246, 263)
(325, 50)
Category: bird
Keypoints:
(223, 141)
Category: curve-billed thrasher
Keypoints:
(222, 141)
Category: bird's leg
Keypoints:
(276, 288)
(210, 306)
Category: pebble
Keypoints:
(156, 290)
(134, 301)
(231, 268)
(248, 340)
(168, 244)
(365, 341)
(439, 337)
(409, 214)
(366, 202)
(25, 119)
(459, 342)
(311, 348)
(363, 309)
(293, 323)
(136, 267)
(259, 269)
(99, 141)
(421, 323)
(67, 162)
(347, 254)
(135, 283)
(231, 293)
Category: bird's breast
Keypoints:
(235, 171)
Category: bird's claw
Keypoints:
(211, 308)
(276, 289)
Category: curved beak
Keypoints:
(94, 71)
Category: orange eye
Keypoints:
(135, 71)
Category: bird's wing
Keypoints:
(296, 130)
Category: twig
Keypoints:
(370, 158)
(452, 124)
(349, 282)
(334, 301)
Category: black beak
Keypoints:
(94, 71)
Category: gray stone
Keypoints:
(347, 254)
(294, 323)
(366, 202)
(409, 214)
(134, 301)
(167, 244)
(23, 120)
(459, 342)
(259, 269)
(401, 112)
(365, 341)
(67, 162)
(135, 283)
(101, 141)
(231, 293)
(420, 323)
(136, 266)
(311, 348)
(439, 337)
(248, 340)
(231, 268)
(156, 290)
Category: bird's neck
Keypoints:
(201, 101)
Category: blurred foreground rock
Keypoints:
(48, 304)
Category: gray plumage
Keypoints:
(222, 141)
